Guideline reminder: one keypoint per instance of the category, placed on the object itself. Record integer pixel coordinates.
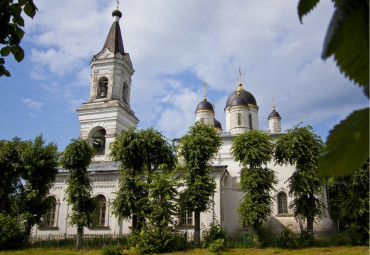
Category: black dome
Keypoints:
(204, 105)
(274, 114)
(243, 93)
(117, 13)
(238, 100)
(217, 124)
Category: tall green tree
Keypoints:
(141, 153)
(302, 148)
(349, 201)
(27, 172)
(347, 39)
(197, 148)
(76, 158)
(11, 32)
(254, 150)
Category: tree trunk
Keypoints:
(79, 237)
(310, 221)
(196, 228)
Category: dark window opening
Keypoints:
(98, 139)
(102, 88)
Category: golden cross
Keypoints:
(117, 4)
(204, 85)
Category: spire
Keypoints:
(114, 39)
(273, 103)
(204, 85)
(239, 81)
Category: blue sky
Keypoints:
(175, 46)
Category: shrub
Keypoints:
(288, 239)
(217, 246)
(11, 234)
(154, 239)
(307, 238)
(111, 250)
(212, 234)
(253, 240)
(341, 239)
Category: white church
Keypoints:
(108, 113)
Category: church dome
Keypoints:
(204, 106)
(239, 100)
(274, 114)
(217, 124)
(246, 95)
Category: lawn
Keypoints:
(352, 250)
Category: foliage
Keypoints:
(347, 147)
(217, 245)
(11, 32)
(341, 239)
(301, 147)
(143, 153)
(28, 169)
(288, 239)
(111, 250)
(11, 233)
(349, 201)
(76, 158)
(197, 148)
(156, 239)
(214, 232)
(253, 149)
(347, 39)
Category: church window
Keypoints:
(186, 216)
(282, 199)
(102, 89)
(239, 119)
(125, 93)
(100, 211)
(250, 121)
(98, 139)
(48, 220)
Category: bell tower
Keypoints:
(108, 111)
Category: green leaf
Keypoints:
(347, 147)
(3, 71)
(305, 6)
(348, 39)
(30, 9)
(5, 52)
(17, 52)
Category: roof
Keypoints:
(204, 105)
(114, 39)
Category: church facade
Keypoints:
(108, 113)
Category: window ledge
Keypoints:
(284, 215)
(186, 227)
(48, 228)
(99, 228)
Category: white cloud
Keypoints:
(32, 104)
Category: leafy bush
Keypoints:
(154, 239)
(253, 240)
(307, 238)
(341, 239)
(111, 250)
(11, 234)
(217, 246)
(212, 234)
(288, 239)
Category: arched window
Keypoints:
(48, 220)
(250, 121)
(98, 140)
(125, 93)
(282, 200)
(102, 89)
(239, 119)
(186, 216)
(100, 211)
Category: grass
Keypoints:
(351, 250)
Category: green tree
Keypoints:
(253, 150)
(141, 153)
(302, 148)
(28, 170)
(197, 148)
(11, 32)
(347, 38)
(349, 201)
(76, 158)
(40, 168)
